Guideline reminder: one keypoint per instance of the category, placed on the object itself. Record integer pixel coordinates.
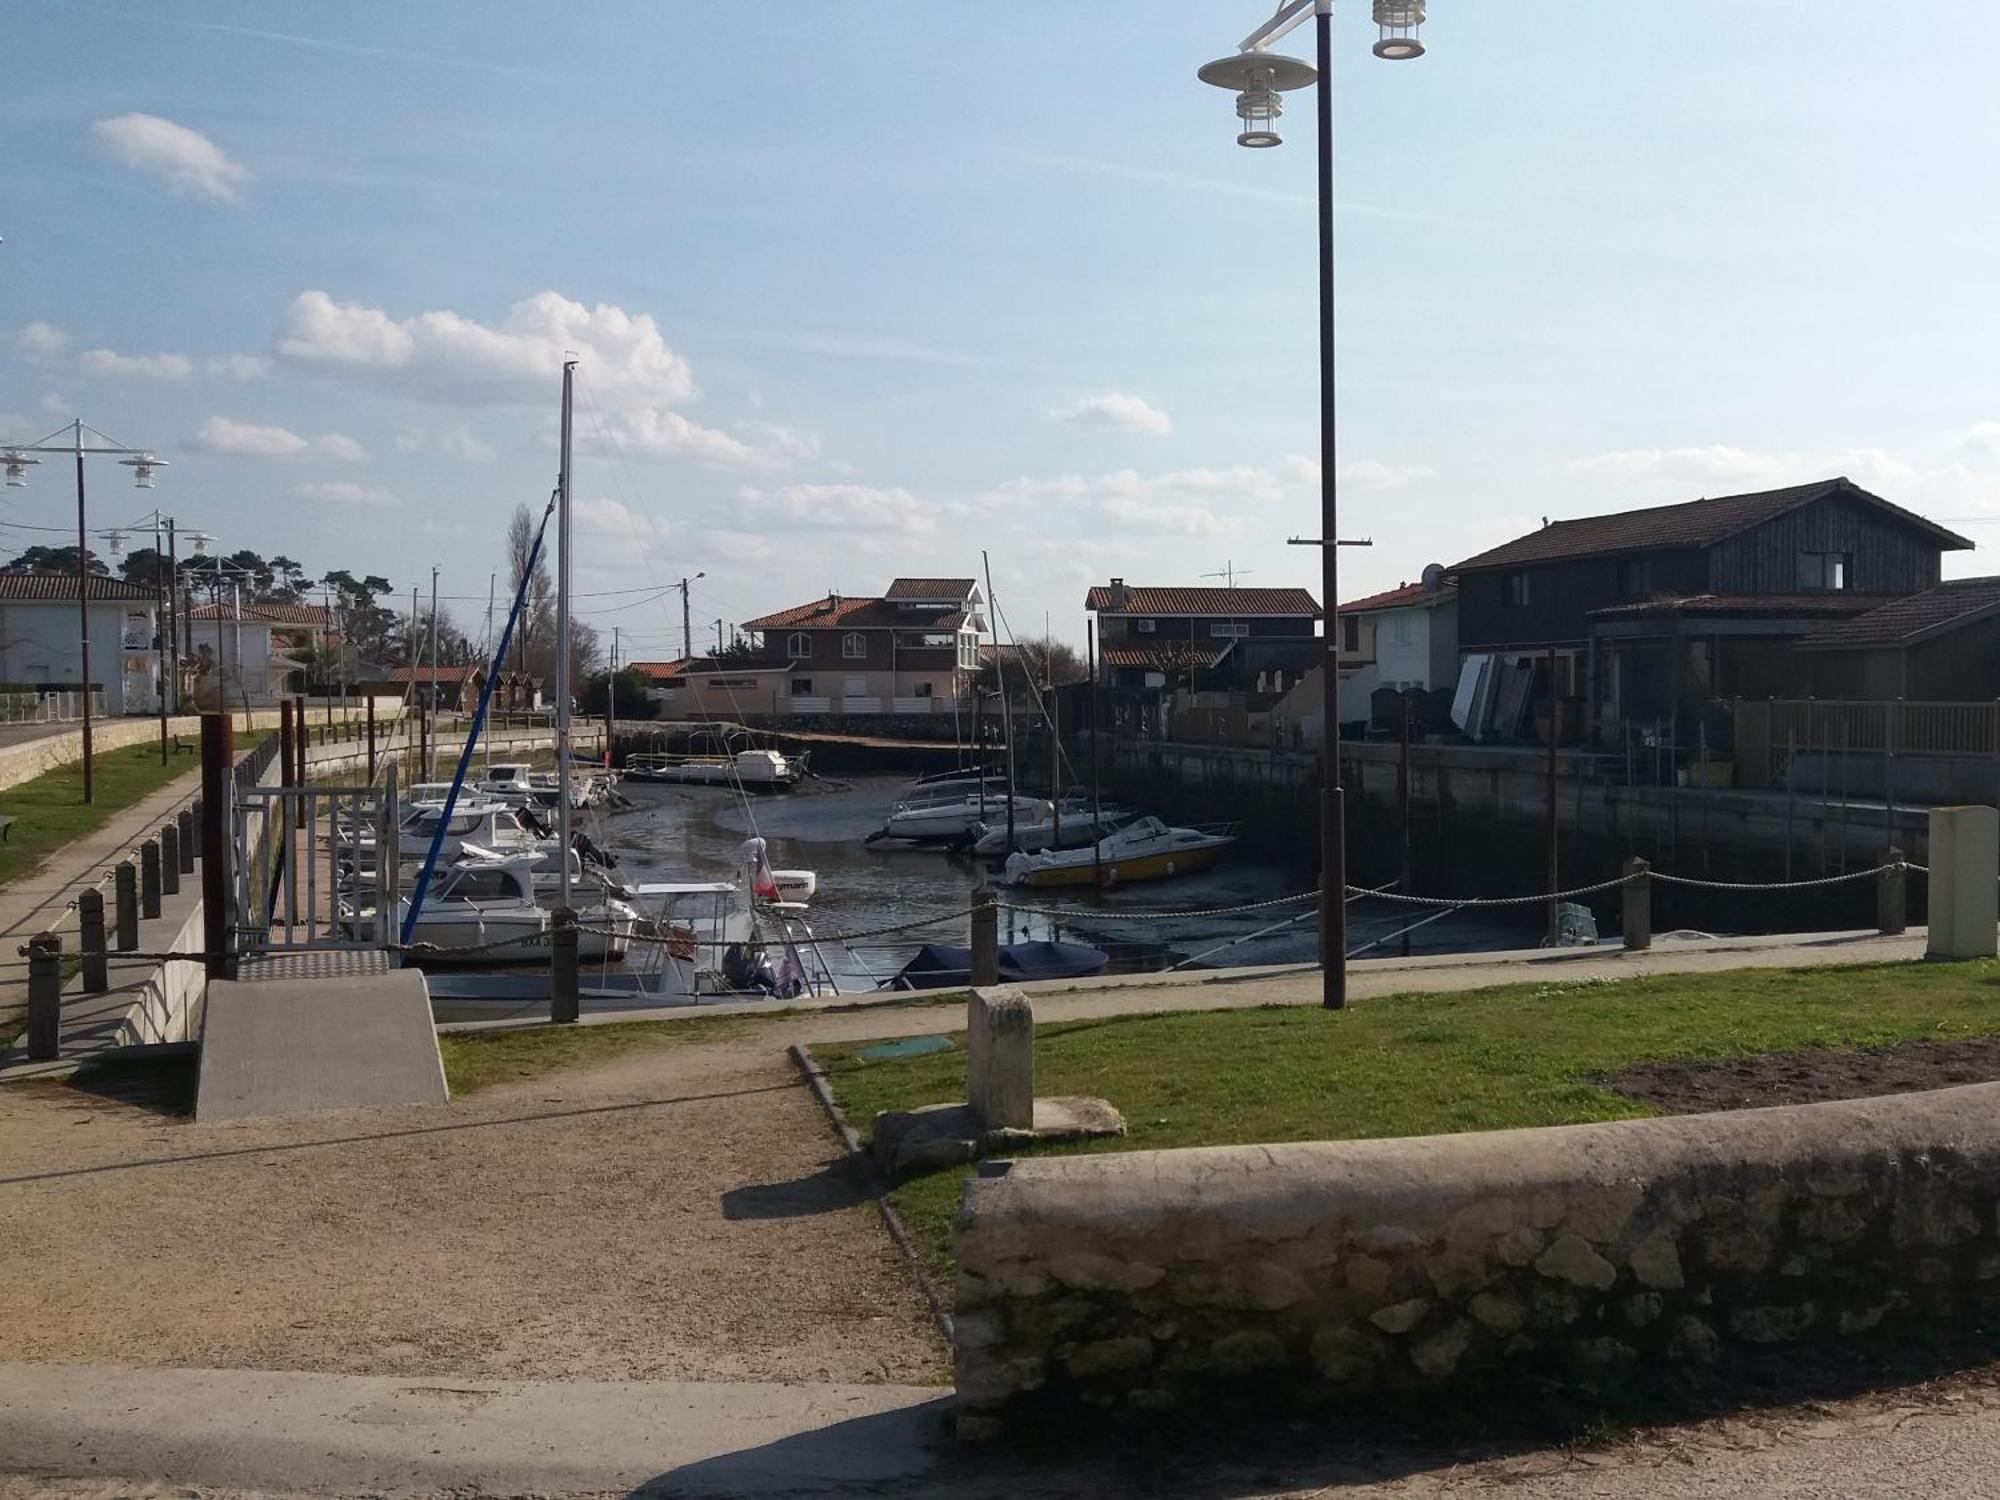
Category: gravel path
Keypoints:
(678, 1214)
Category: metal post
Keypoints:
(300, 740)
(1403, 875)
(564, 1002)
(371, 739)
(1892, 894)
(1096, 800)
(285, 732)
(430, 765)
(1055, 767)
(1555, 873)
(1638, 901)
(985, 937)
(170, 858)
(126, 885)
(44, 996)
(1332, 814)
(90, 941)
(83, 616)
(218, 750)
(150, 879)
(1791, 792)
(563, 645)
(185, 840)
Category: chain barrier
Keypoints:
(1100, 914)
(1782, 885)
(1581, 890)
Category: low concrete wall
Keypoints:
(32, 758)
(1156, 1281)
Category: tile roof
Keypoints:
(1397, 598)
(267, 613)
(664, 671)
(853, 614)
(1203, 601)
(1835, 606)
(1693, 523)
(1165, 656)
(1902, 622)
(956, 590)
(21, 587)
(445, 673)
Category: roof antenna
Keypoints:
(1545, 523)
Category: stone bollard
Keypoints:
(127, 887)
(1892, 902)
(564, 1004)
(44, 997)
(170, 858)
(184, 821)
(1000, 1059)
(985, 937)
(1965, 882)
(90, 940)
(149, 879)
(1638, 900)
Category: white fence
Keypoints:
(53, 707)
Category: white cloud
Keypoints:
(1374, 474)
(188, 160)
(461, 443)
(236, 366)
(246, 439)
(346, 493)
(618, 522)
(1188, 502)
(842, 507)
(628, 378)
(1683, 465)
(40, 338)
(136, 366)
(1118, 410)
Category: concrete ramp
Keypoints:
(292, 1046)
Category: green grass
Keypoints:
(479, 1059)
(49, 811)
(1423, 1064)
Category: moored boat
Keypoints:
(752, 770)
(1144, 849)
(953, 820)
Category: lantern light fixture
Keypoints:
(1258, 79)
(1398, 22)
(143, 466)
(17, 464)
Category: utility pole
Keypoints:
(83, 613)
(611, 701)
(562, 641)
(430, 769)
(718, 637)
(687, 626)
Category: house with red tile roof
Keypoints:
(40, 638)
(1201, 638)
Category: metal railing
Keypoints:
(57, 706)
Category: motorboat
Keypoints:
(951, 820)
(940, 966)
(751, 770)
(488, 908)
(1144, 849)
(1077, 827)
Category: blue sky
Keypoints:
(862, 289)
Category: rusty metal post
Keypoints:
(299, 761)
(371, 738)
(285, 733)
(45, 993)
(218, 749)
(90, 941)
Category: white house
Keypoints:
(254, 643)
(1404, 638)
(41, 638)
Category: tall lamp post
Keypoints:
(1258, 78)
(17, 458)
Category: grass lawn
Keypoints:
(49, 812)
(1423, 1064)
(480, 1059)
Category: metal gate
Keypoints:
(316, 867)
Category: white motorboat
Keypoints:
(952, 820)
(752, 770)
(1144, 849)
(486, 906)
(490, 825)
(1077, 828)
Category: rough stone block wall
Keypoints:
(1155, 1281)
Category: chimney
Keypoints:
(1120, 595)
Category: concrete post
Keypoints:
(44, 996)
(149, 879)
(985, 936)
(1965, 882)
(184, 822)
(1638, 899)
(170, 858)
(1892, 894)
(90, 941)
(127, 887)
(564, 1003)
(1000, 1058)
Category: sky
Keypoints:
(863, 290)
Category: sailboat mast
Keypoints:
(562, 636)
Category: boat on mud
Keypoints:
(749, 770)
(1144, 849)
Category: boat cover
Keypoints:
(938, 966)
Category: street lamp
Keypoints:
(16, 459)
(1259, 77)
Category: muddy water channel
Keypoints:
(695, 833)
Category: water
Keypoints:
(694, 833)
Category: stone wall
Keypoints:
(1156, 1281)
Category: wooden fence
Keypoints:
(1768, 732)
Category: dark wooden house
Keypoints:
(1202, 638)
(1940, 646)
(1650, 613)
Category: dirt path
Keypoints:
(678, 1214)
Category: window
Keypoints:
(1401, 629)
(1145, 627)
(802, 687)
(798, 645)
(1826, 570)
(1229, 630)
(1350, 633)
(854, 646)
(922, 690)
(1635, 577)
(1517, 589)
